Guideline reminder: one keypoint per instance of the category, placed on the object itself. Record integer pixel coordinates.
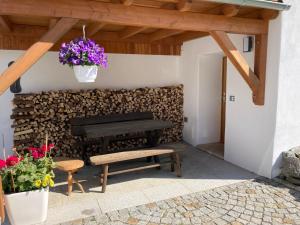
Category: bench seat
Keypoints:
(128, 155)
(107, 159)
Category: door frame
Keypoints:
(223, 99)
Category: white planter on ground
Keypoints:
(26, 208)
(85, 74)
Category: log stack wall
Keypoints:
(36, 114)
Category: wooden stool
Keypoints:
(70, 166)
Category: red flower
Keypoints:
(35, 154)
(12, 160)
(2, 164)
(33, 149)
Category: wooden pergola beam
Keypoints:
(94, 28)
(132, 16)
(256, 79)
(161, 34)
(35, 52)
(5, 24)
(131, 31)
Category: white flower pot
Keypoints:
(85, 74)
(26, 208)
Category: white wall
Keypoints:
(209, 98)
(249, 134)
(124, 71)
(287, 133)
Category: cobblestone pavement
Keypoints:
(252, 202)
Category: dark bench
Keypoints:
(107, 159)
(113, 128)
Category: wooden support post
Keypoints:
(260, 64)
(2, 210)
(35, 52)
(256, 79)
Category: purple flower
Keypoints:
(82, 52)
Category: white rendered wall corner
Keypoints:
(124, 71)
(249, 134)
(287, 133)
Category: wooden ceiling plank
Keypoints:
(133, 16)
(236, 58)
(161, 34)
(5, 24)
(230, 10)
(184, 5)
(34, 53)
(94, 28)
(131, 31)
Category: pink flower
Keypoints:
(2, 164)
(12, 160)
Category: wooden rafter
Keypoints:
(256, 79)
(161, 34)
(127, 2)
(131, 31)
(184, 5)
(52, 22)
(189, 35)
(5, 24)
(35, 52)
(230, 10)
(94, 28)
(132, 16)
(268, 14)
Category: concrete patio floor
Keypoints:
(201, 171)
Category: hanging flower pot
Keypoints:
(85, 74)
(84, 55)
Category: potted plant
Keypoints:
(84, 56)
(26, 179)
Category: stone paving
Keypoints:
(260, 201)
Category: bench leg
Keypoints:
(79, 185)
(177, 164)
(70, 182)
(156, 160)
(105, 173)
(172, 163)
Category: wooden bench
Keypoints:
(107, 159)
(117, 127)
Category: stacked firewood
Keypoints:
(36, 114)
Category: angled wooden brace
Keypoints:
(35, 52)
(256, 79)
